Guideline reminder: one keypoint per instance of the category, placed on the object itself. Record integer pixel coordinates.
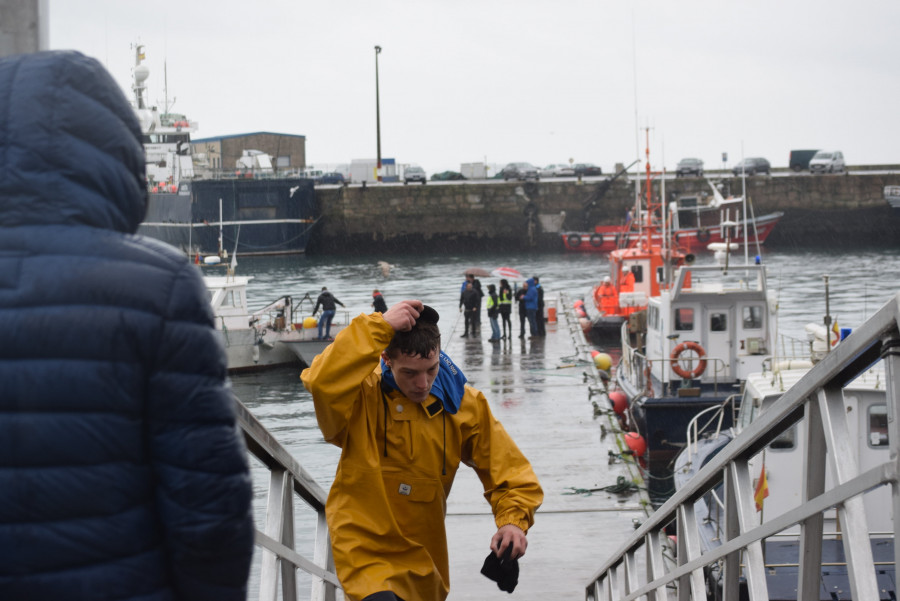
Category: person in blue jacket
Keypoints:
(122, 472)
(531, 306)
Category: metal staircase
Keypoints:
(644, 568)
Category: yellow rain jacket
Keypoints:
(387, 505)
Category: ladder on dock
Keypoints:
(643, 568)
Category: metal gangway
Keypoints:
(643, 568)
(276, 539)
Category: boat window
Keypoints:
(786, 440)
(718, 322)
(653, 314)
(684, 319)
(753, 317)
(878, 432)
(228, 299)
(638, 272)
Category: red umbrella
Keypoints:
(508, 273)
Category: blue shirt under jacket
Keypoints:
(122, 473)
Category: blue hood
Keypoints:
(70, 145)
(449, 385)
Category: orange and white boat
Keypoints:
(638, 271)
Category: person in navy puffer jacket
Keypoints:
(122, 473)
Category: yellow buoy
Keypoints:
(602, 361)
(310, 322)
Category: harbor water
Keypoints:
(536, 388)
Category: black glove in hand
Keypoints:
(503, 570)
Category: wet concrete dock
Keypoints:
(537, 389)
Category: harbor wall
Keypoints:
(819, 211)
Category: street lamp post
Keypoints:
(377, 113)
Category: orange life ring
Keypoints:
(701, 365)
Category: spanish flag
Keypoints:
(835, 333)
(762, 489)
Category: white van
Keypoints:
(827, 161)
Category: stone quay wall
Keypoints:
(819, 211)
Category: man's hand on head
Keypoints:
(509, 535)
(403, 315)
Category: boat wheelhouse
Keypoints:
(690, 350)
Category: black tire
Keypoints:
(596, 240)
(574, 240)
(703, 235)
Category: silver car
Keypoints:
(414, 174)
(559, 170)
(827, 161)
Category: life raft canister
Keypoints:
(574, 240)
(701, 364)
(596, 240)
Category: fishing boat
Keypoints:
(695, 220)
(273, 214)
(266, 338)
(781, 465)
(637, 271)
(691, 349)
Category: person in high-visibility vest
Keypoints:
(493, 311)
(506, 299)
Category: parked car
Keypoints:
(752, 166)
(414, 174)
(520, 171)
(444, 176)
(560, 170)
(330, 178)
(689, 167)
(827, 161)
(587, 169)
(799, 159)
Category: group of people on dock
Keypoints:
(529, 299)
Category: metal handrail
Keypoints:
(817, 398)
(276, 539)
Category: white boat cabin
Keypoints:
(228, 298)
(730, 313)
(866, 409)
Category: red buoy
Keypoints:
(636, 443)
(619, 402)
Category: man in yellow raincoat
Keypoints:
(400, 411)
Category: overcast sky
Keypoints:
(498, 81)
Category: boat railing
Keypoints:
(637, 570)
(287, 479)
(639, 369)
(711, 419)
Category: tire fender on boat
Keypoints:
(596, 240)
(703, 235)
(701, 364)
(574, 240)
